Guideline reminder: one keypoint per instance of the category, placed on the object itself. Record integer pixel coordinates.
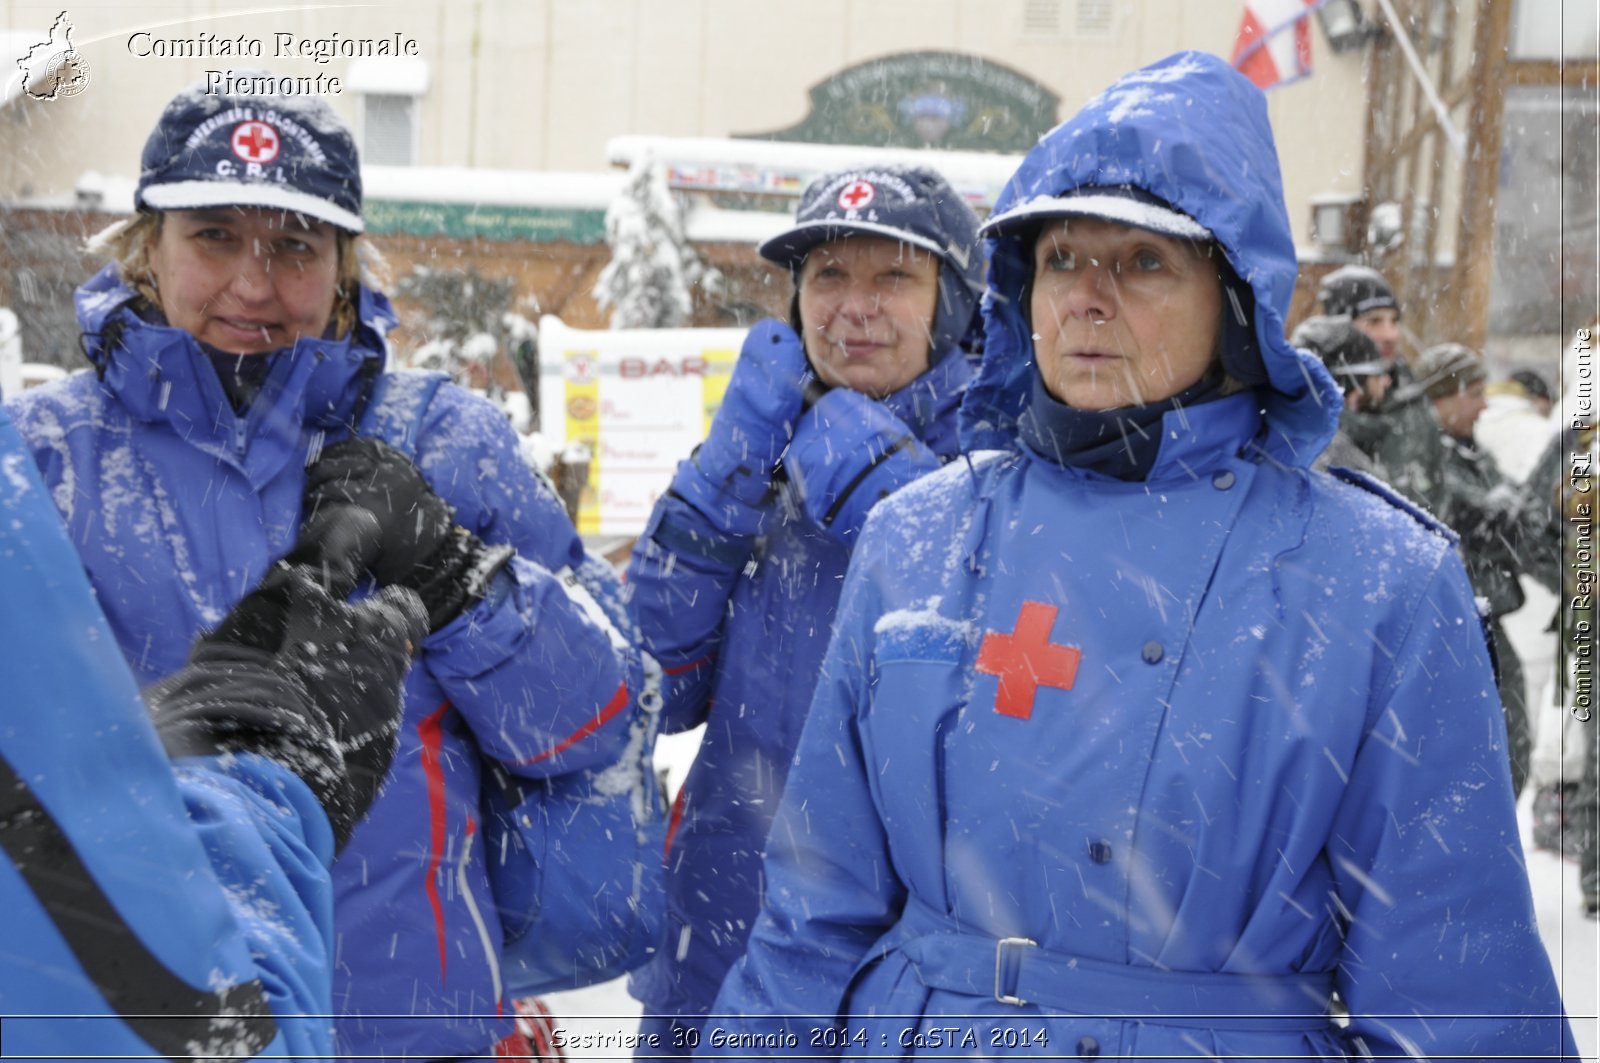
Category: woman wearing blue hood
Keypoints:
(1135, 736)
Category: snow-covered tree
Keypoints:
(469, 321)
(653, 266)
(463, 317)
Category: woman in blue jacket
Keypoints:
(177, 908)
(1136, 737)
(237, 350)
(736, 579)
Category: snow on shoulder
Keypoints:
(924, 617)
(926, 521)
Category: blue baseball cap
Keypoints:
(289, 152)
(911, 204)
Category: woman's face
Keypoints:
(866, 312)
(247, 280)
(1121, 316)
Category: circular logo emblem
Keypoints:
(67, 74)
(255, 142)
(581, 408)
(581, 369)
(856, 195)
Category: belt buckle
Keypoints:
(1000, 969)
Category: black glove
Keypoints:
(378, 478)
(340, 544)
(420, 545)
(297, 675)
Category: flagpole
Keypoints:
(1458, 142)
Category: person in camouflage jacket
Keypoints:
(1399, 434)
(1364, 379)
(1501, 528)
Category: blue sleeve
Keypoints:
(269, 844)
(832, 891)
(849, 453)
(1430, 795)
(193, 902)
(546, 679)
(680, 579)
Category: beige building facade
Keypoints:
(543, 85)
(493, 130)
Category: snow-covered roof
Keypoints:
(393, 75)
(977, 175)
(113, 192)
(704, 223)
(526, 188)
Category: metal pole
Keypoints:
(1458, 141)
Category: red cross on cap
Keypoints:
(1026, 659)
(856, 195)
(255, 142)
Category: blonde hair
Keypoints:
(130, 243)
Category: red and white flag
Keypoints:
(1274, 43)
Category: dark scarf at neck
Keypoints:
(1120, 443)
(241, 375)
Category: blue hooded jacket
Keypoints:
(152, 907)
(177, 505)
(1150, 768)
(740, 627)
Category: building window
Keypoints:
(1545, 224)
(388, 129)
(1058, 20)
(1041, 18)
(1561, 30)
(1094, 18)
(391, 90)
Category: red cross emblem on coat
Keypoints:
(1026, 659)
(255, 142)
(856, 195)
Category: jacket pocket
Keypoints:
(921, 688)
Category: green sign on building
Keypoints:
(943, 100)
(487, 220)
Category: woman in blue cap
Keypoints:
(240, 401)
(1136, 737)
(737, 577)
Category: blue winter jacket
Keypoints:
(151, 909)
(177, 506)
(740, 627)
(1151, 769)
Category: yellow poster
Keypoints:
(581, 404)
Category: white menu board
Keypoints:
(640, 399)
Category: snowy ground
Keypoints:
(1574, 941)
